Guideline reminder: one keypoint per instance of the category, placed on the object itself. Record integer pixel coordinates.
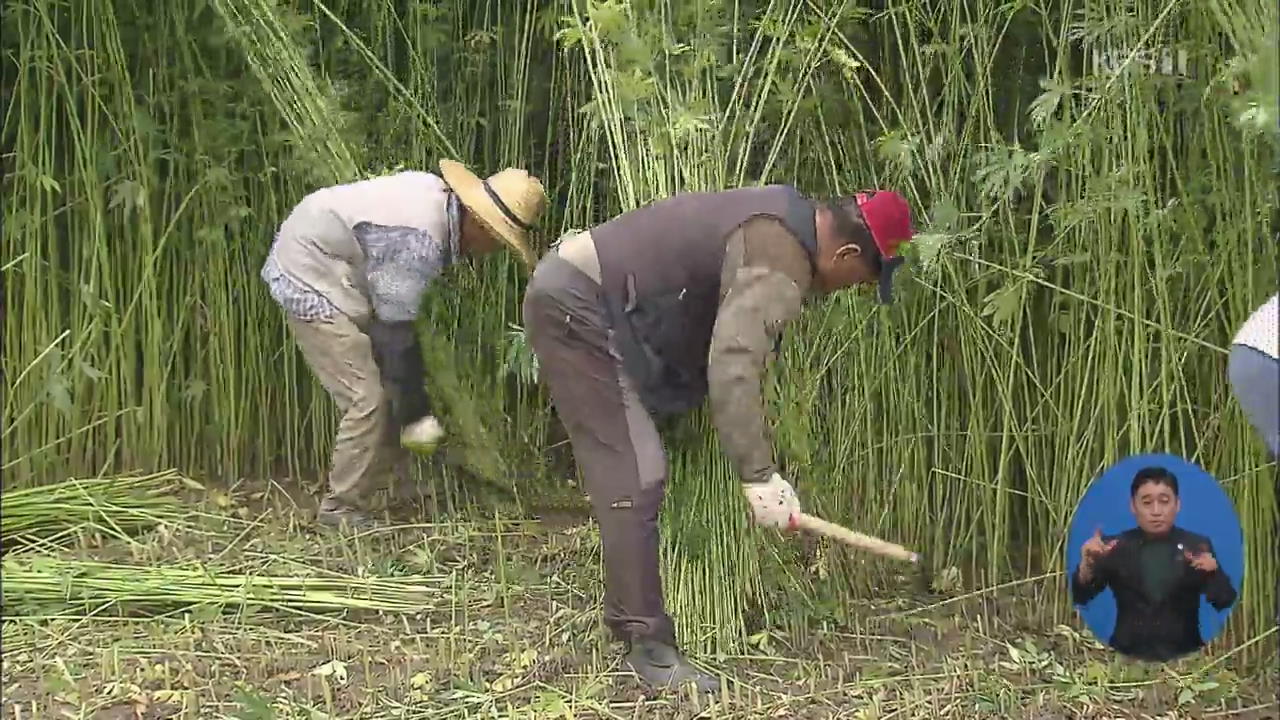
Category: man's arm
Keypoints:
(398, 354)
(762, 298)
(400, 263)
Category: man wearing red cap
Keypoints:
(653, 311)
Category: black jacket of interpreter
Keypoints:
(1153, 628)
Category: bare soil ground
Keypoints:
(514, 633)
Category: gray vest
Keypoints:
(660, 273)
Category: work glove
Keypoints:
(773, 503)
(422, 436)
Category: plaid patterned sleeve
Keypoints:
(296, 299)
(400, 263)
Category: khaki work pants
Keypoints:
(615, 443)
(367, 444)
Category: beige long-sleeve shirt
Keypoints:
(764, 281)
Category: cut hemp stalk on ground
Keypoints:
(35, 582)
(115, 506)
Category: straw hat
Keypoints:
(506, 203)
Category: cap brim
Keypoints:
(888, 267)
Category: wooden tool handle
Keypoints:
(856, 539)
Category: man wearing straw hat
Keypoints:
(663, 306)
(349, 267)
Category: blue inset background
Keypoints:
(1206, 509)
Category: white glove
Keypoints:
(773, 503)
(422, 436)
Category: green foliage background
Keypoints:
(1092, 239)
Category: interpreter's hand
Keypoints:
(773, 503)
(1096, 548)
(1203, 561)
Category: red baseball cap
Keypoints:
(888, 217)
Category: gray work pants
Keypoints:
(1255, 381)
(615, 443)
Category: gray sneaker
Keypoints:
(661, 666)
